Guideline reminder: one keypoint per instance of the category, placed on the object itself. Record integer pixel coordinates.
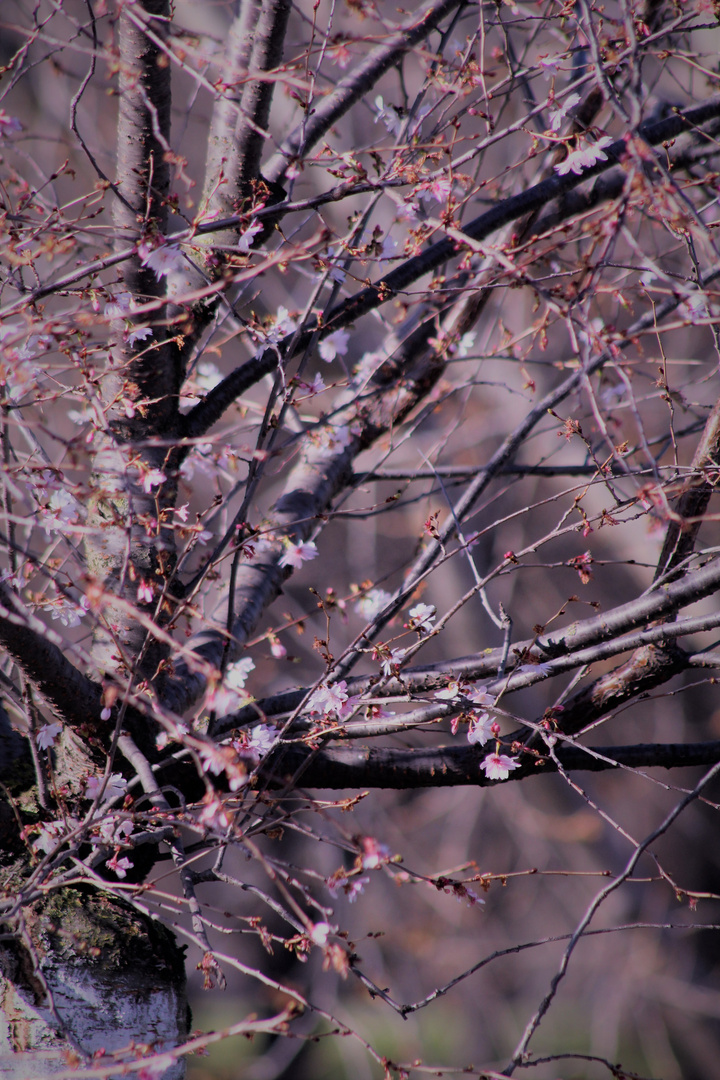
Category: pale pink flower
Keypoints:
(558, 115)
(120, 866)
(343, 56)
(144, 592)
(372, 603)
(480, 729)
(450, 692)
(407, 211)
(161, 260)
(296, 554)
(374, 853)
(355, 888)
(327, 699)
(153, 478)
(479, 696)
(422, 617)
(332, 440)
(389, 115)
(320, 933)
(120, 307)
(46, 736)
(498, 766)
(8, 124)
(114, 788)
(214, 816)
(138, 333)
(262, 739)
(582, 159)
(388, 663)
(465, 344)
(317, 385)
(277, 648)
(245, 240)
(51, 837)
(440, 189)
(237, 674)
(335, 344)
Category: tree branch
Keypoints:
(458, 766)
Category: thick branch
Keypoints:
(457, 766)
(70, 694)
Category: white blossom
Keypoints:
(296, 554)
(261, 739)
(558, 115)
(115, 787)
(51, 837)
(333, 345)
(245, 240)
(46, 736)
(480, 729)
(423, 616)
(8, 124)
(582, 159)
(161, 260)
(389, 115)
(372, 603)
(237, 674)
(320, 933)
(499, 766)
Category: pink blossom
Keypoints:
(375, 853)
(8, 124)
(120, 866)
(327, 699)
(335, 344)
(440, 189)
(480, 729)
(355, 888)
(153, 478)
(320, 933)
(450, 692)
(422, 617)
(144, 592)
(343, 56)
(558, 115)
(389, 115)
(332, 440)
(245, 240)
(46, 736)
(372, 603)
(138, 333)
(296, 554)
(479, 696)
(51, 837)
(498, 766)
(114, 788)
(585, 158)
(277, 648)
(262, 739)
(162, 260)
(214, 816)
(389, 663)
(317, 385)
(237, 674)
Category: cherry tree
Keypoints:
(360, 427)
